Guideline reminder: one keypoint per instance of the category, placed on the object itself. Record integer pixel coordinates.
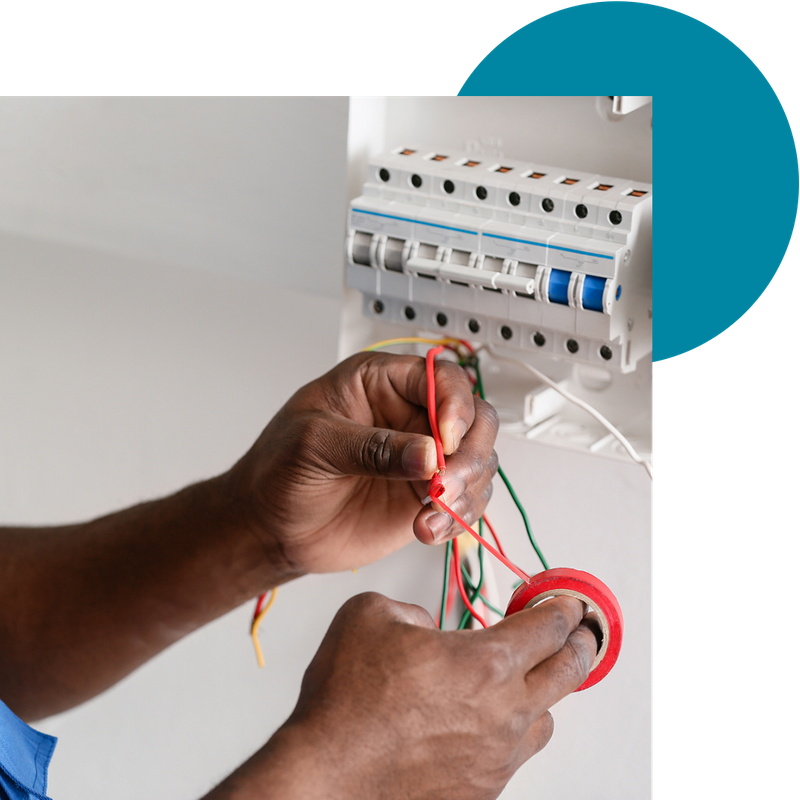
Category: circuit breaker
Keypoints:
(525, 255)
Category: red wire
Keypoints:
(451, 589)
(494, 533)
(496, 553)
(461, 589)
(259, 605)
(437, 488)
(467, 345)
(429, 364)
(436, 485)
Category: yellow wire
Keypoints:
(412, 340)
(257, 622)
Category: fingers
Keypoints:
(467, 479)
(535, 634)
(455, 409)
(388, 379)
(347, 448)
(565, 671)
(554, 643)
(380, 420)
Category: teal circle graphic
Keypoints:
(725, 175)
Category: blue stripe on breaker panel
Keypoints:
(551, 246)
(416, 221)
(489, 235)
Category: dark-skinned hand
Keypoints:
(336, 478)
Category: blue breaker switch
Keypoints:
(558, 289)
(593, 289)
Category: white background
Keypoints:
(136, 358)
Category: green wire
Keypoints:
(514, 497)
(518, 504)
(482, 597)
(477, 589)
(479, 382)
(479, 390)
(448, 557)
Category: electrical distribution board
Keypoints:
(547, 259)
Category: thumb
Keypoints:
(353, 449)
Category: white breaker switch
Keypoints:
(542, 258)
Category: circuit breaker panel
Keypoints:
(546, 259)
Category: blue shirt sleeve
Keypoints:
(24, 758)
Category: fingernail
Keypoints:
(459, 430)
(417, 455)
(438, 523)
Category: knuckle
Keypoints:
(465, 509)
(355, 362)
(307, 435)
(473, 468)
(376, 452)
(542, 730)
(489, 412)
(451, 371)
(487, 494)
(417, 615)
(561, 617)
(363, 604)
(577, 664)
(471, 506)
(498, 663)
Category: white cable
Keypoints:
(578, 402)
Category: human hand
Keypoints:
(392, 708)
(336, 478)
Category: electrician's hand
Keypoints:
(336, 479)
(393, 708)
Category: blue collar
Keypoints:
(24, 758)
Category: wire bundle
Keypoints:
(436, 492)
(258, 615)
(469, 589)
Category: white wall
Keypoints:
(245, 186)
(127, 372)
(121, 381)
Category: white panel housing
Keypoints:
(527, 255)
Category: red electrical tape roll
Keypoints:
(594, 593)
